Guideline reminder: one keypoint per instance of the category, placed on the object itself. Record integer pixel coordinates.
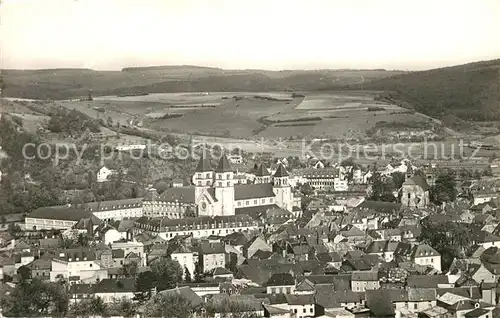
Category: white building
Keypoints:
(73, 263)
(200, 227)
(130, 147)
(58, 217)
(215, 193)
(129, 247)
(104, 173)
(186, 258)
(235, 159)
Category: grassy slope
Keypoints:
(76, 83)
(470, 91)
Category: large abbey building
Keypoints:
(215, 193)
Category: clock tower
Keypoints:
(224, 187)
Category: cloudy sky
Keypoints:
(267, 34)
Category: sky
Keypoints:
(246, 34)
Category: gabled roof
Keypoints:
(424, 250)
(204, 163)
(253, 191)
(223, 165)
(180, 194)
(262, 171)
(281, 171)
(281, 279)
(417, 180)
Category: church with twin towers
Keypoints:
(215, 192)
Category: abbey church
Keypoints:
(215, 193)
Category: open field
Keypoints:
(341, 115)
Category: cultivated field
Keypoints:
(339, 115)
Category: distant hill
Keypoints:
(76, 83)
(469, 92)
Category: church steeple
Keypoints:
(262, 175)
(204, 164)
(203, 176)
(224, 165)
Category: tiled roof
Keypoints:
(379, 206)
(207, 248)
(364, 276)
(424, 250)
(107, 285)
(180, 194)
(299, 299)
(417, 180)
(253, 191)
(281, 171)
(425, 281)
(204, 163)
(77, 254)
(186, 293)
(223, 165)
(113, 205)
(262, 171)
(281, 279)
(63, 212)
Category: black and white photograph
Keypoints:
(250, 158)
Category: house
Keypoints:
(235, 159)
(384, 249)
(198, 227)
(40, 268)
(425, 255)
(186, 258)
(109, 290)
(415, 192)
(364, 280)
(108, 234)
(301, 305)
(211, 256)
(255, 244)
(104, 173)
(203, 289)
(281, 283)
(7, 241)
(131, 247)
(74, 263)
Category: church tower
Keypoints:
(282, 189)
(224, 187)
(203, 176)
(262, 175)
(409, 171)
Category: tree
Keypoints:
(144, 285)
(187, 275)
(398, 178)
(36, 298)
(123, 308)
(444, 189)
(109, 121)
(94, 306)
(168, 273)
(198, 273)
(168, 306)
(129, 269)
(450, 239)
(306, 189)
(381, 191)
(24, 273)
